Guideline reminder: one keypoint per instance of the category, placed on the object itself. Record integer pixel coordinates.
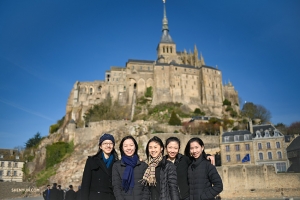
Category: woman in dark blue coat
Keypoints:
(97, 175)
(204, 180)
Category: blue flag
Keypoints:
(246, 158)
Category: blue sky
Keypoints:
(46, 46)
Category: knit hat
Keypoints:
(106, 136)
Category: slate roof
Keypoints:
(10, 155)
(233, 133)
(295, 145)
(166, 38)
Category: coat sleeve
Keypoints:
(172, 182)
(117, 182)
(216, 181)
(86, 180)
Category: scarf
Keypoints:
(149, 175)
(107, 161)
(128, 175)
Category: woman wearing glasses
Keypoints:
(97, 175)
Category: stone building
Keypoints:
(293, 152)
(11, 164)
(174, 76)
(264, 144)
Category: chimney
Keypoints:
(250, 126)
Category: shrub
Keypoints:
(55, 127)
(233, 114)
(56, 152)
(176, 131)
(226, 102)
(34, 141)
(149, 92)
(198, 111)
(174, 120)
(229, 108)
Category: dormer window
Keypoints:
(226, 139)
(267, 133)
(17, 157)
(258, 134)
(1, 156)
(236, 138)
(247, 137)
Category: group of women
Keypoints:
(168, 177)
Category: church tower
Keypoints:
(166, 49)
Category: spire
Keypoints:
(165, 20)
(165, 38)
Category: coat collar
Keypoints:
(98, 162)
(196, 162)
(123, 164)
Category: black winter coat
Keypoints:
(182, 163)
(205, 181)
(168, 180)
(97, 179)
(54, 193)
(70, 195)
(139, 192)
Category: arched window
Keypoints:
(270, 155)
(258, 134)
(267, 133)
(134, 86)
(171, 49)
(163, 49)
(99, 88)
(91, 90)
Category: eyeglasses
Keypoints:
(107, 143)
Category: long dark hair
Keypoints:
(157, 140)
(134, 141)
(187, 151)
(172, 139)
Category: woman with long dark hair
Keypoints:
(161, 173)
(204, 179)
(128, 171)
(181, 163)
(97, 175)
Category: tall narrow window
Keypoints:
(15, 173)
(237, 147)
(238, 157)
(259, 146)
(8, 173)
(261, 156)
(268, 145)
(247, 146)
(279, 155)
(278, 145)
(228, 158)
(227, 148)
(270, 155)
(9, 164)
(16, 164)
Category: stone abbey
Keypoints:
(175, 76)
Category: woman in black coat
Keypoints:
(182, 163)
(204, 180)
(161, 173)
(128, 172)
(97, 175)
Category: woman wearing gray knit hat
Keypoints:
(97, 175)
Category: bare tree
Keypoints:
(294, 128)
(253, 111)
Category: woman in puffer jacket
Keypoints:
(127, 173)
(204, 180)
(160, 175)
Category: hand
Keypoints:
(212, 159)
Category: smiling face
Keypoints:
(172, 149)
(154, 149)
(107, 146)
(196, 149)
(128, 147)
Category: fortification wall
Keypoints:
(258, 182)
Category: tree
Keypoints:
(294, 128)
(35, 140)
(174, 120)
(253, 111)
(226, 102)
(281, 127)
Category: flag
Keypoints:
(246, 158)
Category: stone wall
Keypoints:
(258, 182)
(11, 190)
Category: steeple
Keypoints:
(166, 49)
(165, 38)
